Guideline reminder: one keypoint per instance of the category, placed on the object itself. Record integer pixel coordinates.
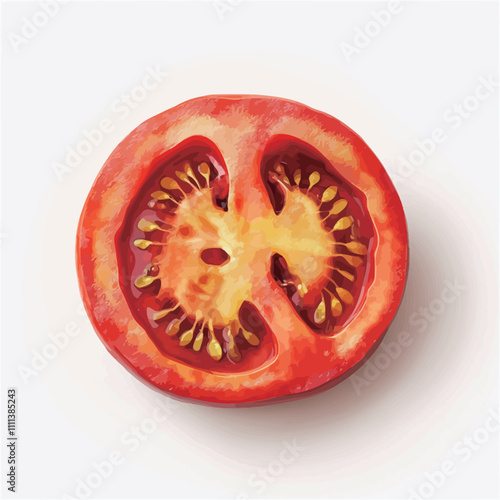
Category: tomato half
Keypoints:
(236, 249)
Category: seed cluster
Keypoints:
(190, 334)
(199, 331)
(339, 298)
(203, 329)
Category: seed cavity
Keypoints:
(332, 303)
(331, 285)
(192, 333)
(214, 256)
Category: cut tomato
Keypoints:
(238, 249)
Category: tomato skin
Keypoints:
(302, 364)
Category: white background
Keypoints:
(377, 442)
